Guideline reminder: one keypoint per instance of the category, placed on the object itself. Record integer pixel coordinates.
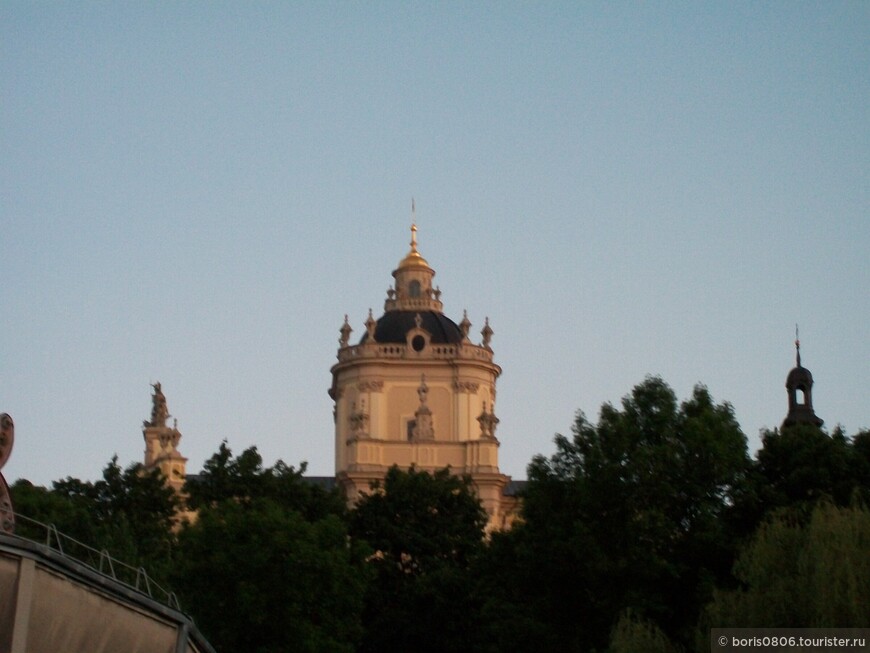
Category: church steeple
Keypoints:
(161, 441)
(413, 291)
(416, 391)
(799, 385)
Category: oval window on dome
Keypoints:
(418, 343)
(414, 289)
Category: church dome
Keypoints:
(393, 327)
(799, 377)
(413, 260)
(799, 384)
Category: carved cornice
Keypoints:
(371, 385)
(413, 304)
(466, 387)
(395, 351)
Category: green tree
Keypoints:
(801, 575)
(243, 479)
(861, 458)
(630, 513)
(425, 530)
(40, 504)
(633, 634)
(260, 577)
(800, 465)
(520, 591)
(268, 564)
(129, 513)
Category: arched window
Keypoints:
(414, 289)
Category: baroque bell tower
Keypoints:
(161, 442)
(416, 391)
(799, 385)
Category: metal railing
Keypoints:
(99, 560)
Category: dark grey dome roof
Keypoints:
(799, 376)
(393, 327)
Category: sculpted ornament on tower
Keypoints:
(7, 439)
(359, 420)
(159, 411)
(345, 333)
(488, 422)
(465, 326)
(487, 333)
(423, 428)
(161, 441)
(371, 325)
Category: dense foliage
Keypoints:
(641, 531)
(129, 513)
(802, 575)
(267, 565)
(629, 513)
(425, 530)
(801, 464)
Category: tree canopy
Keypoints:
(628, 514)
(800, 465)
(637, 533)
(244, 478)
(801, 575)
(425, 530)
(129, 513)
(267, 565)
(260, 577)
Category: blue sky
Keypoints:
(197, 193)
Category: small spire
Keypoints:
(486, 332)
(345, 332)
(797, 345)
(412, 258)
(465, 325)
(371, 326)
(413, 226)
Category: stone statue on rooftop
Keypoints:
(159, 411)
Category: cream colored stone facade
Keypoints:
(416, 391)
(161, 443)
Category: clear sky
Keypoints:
(196, 193)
